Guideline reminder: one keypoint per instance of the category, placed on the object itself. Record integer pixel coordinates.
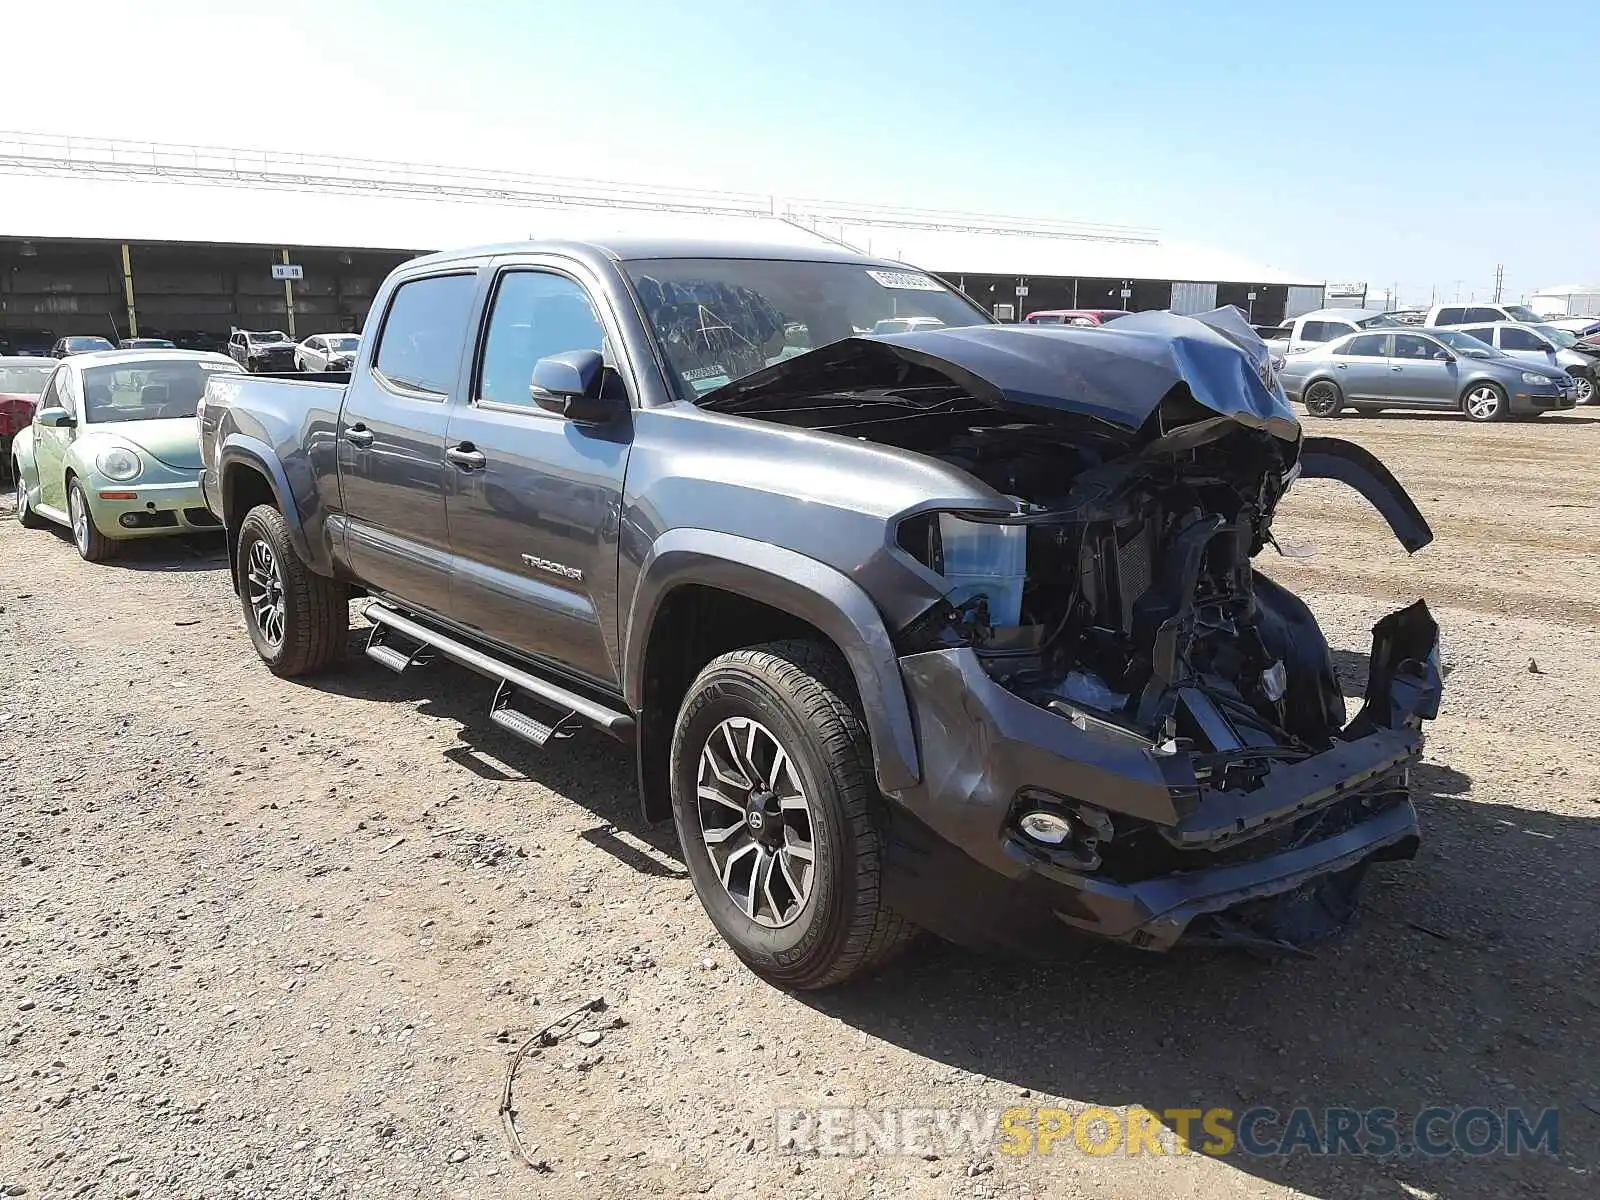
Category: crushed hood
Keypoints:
(1117, 374)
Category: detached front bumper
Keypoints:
(1184, 849)
(141, 510)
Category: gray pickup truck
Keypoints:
(954, 628)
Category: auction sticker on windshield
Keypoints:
(906, 281)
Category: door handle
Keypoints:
(466, 457)
(1396, 368)
(1338, 366)
(359, 435)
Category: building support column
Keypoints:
(288, 299)
(127, 292)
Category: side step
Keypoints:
(380, 651)
(530, 729)
(577, 708)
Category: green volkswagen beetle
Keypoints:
(113, 451)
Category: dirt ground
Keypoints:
(263, 938)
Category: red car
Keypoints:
(1074, 316)
(21, 381)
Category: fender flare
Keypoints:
(1359, 468)
(803, 587)
(241, 448)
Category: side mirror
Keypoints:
(56, 418)
(572, 384)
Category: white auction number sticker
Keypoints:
(905, 281)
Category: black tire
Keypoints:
(1324, 399)
(800, 693)
(309, 621)
(1474, 402)
(26, 517)
(93, 546)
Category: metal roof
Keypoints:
(138, 191)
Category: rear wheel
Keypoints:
(1485, 402)
(779, 814)
(26, 517)
(93, 546)
(1324, 399)
(298, 620)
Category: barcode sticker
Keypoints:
(905, 281)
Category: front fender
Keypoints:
(241, 451)
(22, 451)
(803, 587)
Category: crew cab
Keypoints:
(954, 628)
(271, 350)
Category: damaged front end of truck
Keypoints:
(1125, 728)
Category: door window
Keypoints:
(535, 314)
(1413, 346)
(51, 396)
(1484, 314)
(1486, 336)
(424, 332)
(1455, 316)
(1513, 338)
(1368, 345)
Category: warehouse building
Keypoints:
(118, 238)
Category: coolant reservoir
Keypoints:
(987, 560)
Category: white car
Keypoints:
(327, 352)
(907, 325)
(1544, 344)
(1478, 314)
(1324, 325)
(1578, 326)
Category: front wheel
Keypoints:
(298, 620)
(26, 517)
(779, 815)
(93, 546)
(1582, 389)
(1485, 402)
(1324, 399)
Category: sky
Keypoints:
(1403, 143)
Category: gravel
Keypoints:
(269, 939)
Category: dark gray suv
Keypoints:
(954, 628)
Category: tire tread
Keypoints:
(317, 638)
(817, 680)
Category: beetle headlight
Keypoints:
(118, 463)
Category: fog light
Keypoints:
(1050, 828)
(128, 520)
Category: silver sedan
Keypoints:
(1421, 368)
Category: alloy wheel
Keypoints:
(1483, 403)
(756, 822)
(1322, 400)
(80, 520)
(264, 592)
(1583, 390)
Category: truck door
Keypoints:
(534, 498)
(392, 467)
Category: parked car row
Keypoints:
(271, 350)
(887, 647)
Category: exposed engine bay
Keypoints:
(1140, 468)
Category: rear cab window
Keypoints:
(424, 332)
(1454, 316)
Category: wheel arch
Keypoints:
(248, 474)
(702, 593)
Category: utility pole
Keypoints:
(1499, 280)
